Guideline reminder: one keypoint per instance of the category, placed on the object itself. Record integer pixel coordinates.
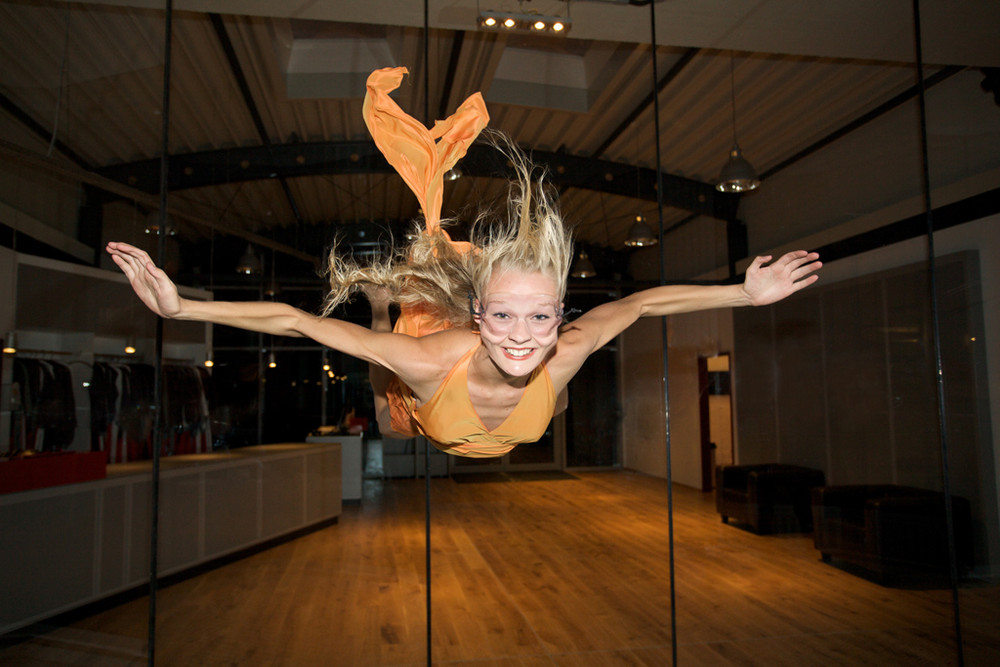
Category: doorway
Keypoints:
(716, 409)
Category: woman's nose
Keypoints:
(520, 333)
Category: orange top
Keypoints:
(450, 421)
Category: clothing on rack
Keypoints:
(44, 414)
(186, 410)
(123, 411)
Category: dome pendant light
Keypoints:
(249, 264)
(583, 267)
(737, 175)
(640, 234)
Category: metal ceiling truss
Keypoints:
(234, 165)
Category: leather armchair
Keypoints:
(891, 531)
(770, 498)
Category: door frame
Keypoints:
(707, 447)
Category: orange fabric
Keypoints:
(419, 155)
(450, 422)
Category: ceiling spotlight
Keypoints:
(528, 22)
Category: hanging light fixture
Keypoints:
(272, 288)
(209, 356)
(640, 234)
(152, 225)
(583, 267)
(524, 22)
(130, 345)
(249, 263)
(10, 340)
(453, 174)
(737, 175)
(271, 361)
(10, 343)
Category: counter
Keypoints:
(65, 546)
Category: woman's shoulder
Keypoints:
(450, 344)
(437, 354)
(444, 348)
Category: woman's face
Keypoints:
(519, 320)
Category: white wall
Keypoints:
(691, 335)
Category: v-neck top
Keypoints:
(449, 420)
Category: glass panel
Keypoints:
(839, 381)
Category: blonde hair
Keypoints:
(532, 238)
(432, 275)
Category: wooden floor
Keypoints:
(526, 573)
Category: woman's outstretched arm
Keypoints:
(764, 284)
(160, 295)
(410, 358)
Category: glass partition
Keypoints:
(832, 458)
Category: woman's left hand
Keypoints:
(773, 282)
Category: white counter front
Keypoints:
(64, 546)
(351, 462)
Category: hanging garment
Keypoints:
(48, 419)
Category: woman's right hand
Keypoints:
(150, 283)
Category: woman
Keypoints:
(481, 351)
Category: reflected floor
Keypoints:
(563, 572)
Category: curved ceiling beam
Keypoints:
(233, 165)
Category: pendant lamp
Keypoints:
(249, 263)
(583, 267)
(737, 175)
(640, 234)
(10, 343)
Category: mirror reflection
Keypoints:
(816, 477)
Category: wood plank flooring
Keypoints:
(570, 573)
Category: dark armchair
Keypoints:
(893, 532)
(770, 498)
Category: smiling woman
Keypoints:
(480, 351)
